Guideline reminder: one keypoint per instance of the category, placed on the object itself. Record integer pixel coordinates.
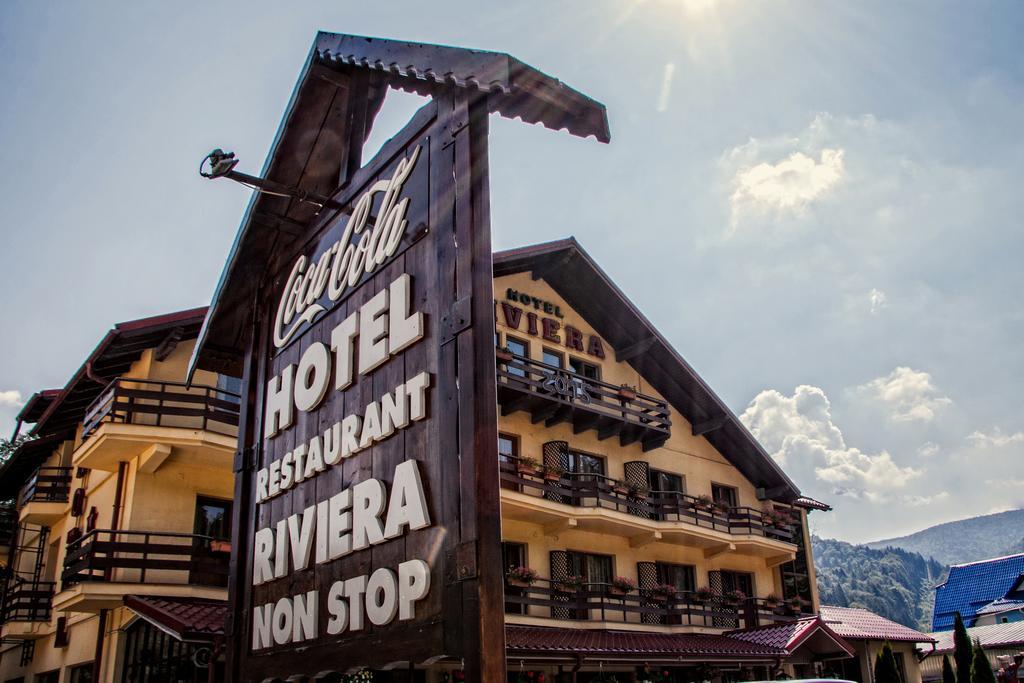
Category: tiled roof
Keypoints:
(188, 619)
(971, 586)
(537, 640)
(790, 635)
(1000, 605)
(861, 624)
(811, 504)
(991, 636)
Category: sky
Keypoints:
(818, 203)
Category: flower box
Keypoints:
(627, 393)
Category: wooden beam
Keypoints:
(716, 550)
(634, 350)
(775, 561)
(611, 430)
(544, 413)
(544, 270)
(640, 540)
(515, 405)
(630, 437)
(584, 422)
(562, 525)
(170, 342)
(652, 442)
(561, 415)
(774, 492)
(709, 425)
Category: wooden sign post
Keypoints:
(367, 520)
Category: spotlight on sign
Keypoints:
(219, 163)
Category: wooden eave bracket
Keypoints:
(709, 425)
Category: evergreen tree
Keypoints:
(963, 653)
(886, 670)
(982, 669)
(948, 676)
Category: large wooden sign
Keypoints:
(372, 495)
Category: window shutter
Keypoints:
(556, 454)
(78, 502)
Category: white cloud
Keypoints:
(799, 433)
(1009, 482)
(790, 184)
(909, 394)
(928, 449)
(921, 501)
(877, 299)
(996, 439)
(10, 399)
(666, 86)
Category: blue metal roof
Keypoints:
(971, 586)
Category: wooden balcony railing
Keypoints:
(168, 404)
(146, 557)
(554, 395)
(592, 490)
(27, 600)
(599, 602)
(47, 485)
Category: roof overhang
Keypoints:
(187, 620)
(570, 271)
(318, 148)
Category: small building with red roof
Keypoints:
(867, 633)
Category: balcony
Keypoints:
(553, 396)
(155, 419)
(597, 503)
(598, 605)
(26, 605)
(104, 565)
(44, 497)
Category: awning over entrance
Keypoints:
(190, 620)
(807, 639)
(554, 644)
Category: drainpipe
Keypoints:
(115, 518)
(577, 667)
(97, 662)
(926, 655)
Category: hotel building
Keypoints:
(118, 545)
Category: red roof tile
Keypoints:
(188, 619)
(790, 635)
(538, 640)
(861, 624)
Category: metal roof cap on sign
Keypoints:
(302, 157)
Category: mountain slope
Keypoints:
(966, 540)
(894, 583)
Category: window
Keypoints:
(738, 581)
(682, 576)
(666, 481)
(552, 357)
(724, 494)
(230, 384)
(48, 677)
(593, 568)
(513, 555)
(213, 518)
(519, 348)
(586, 464)
(508, 446)
(584, 369)
(80, 673)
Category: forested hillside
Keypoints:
(892, 582)
(965, 540)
